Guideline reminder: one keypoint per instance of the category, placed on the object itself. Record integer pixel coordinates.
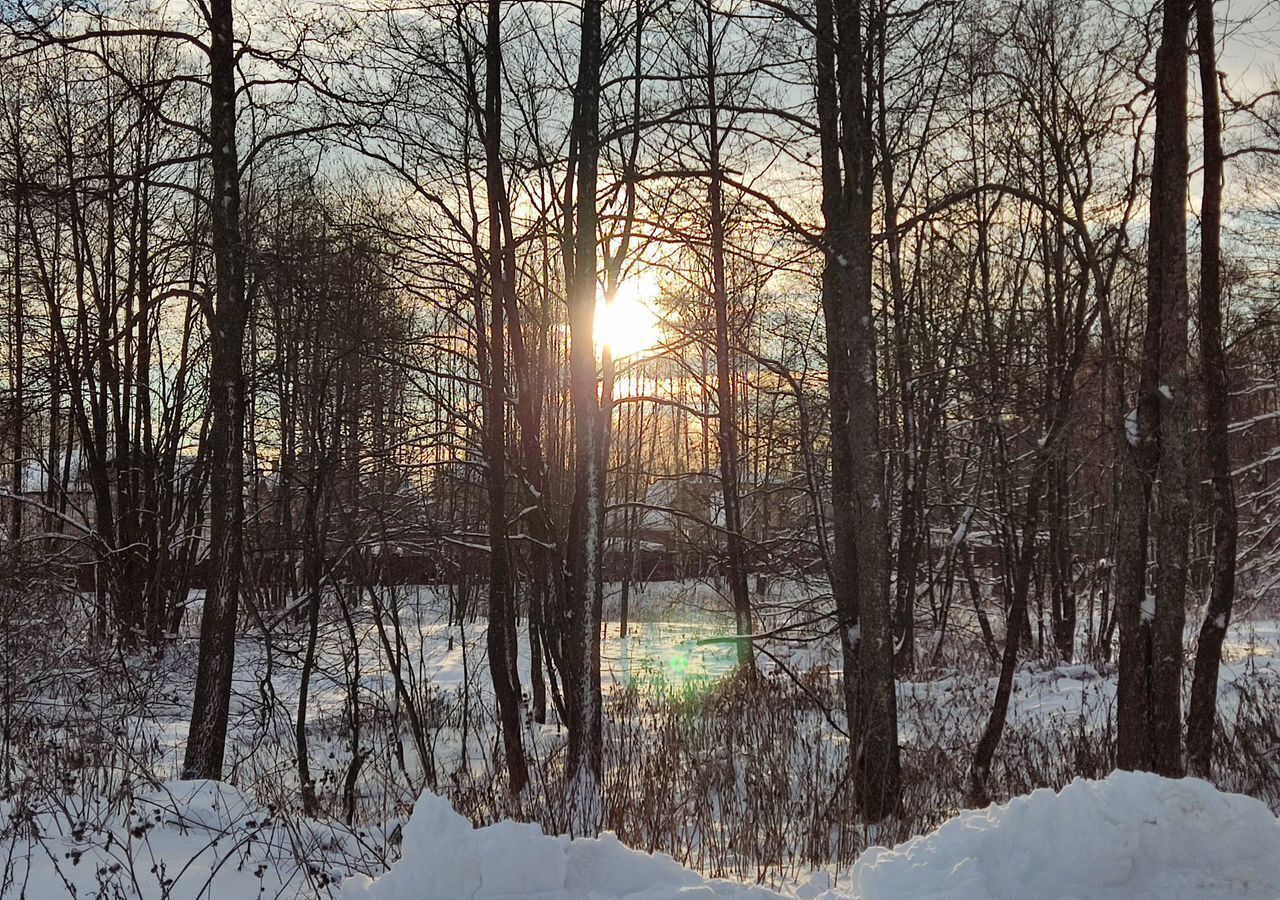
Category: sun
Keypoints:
(628, 325)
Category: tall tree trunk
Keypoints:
(727, 432)
(1217, 401)
(1149, 716)
(1167, 284)
(915, 463)
(500, 634)
(586, 516)
(18, 363)
(1132, 612)
(860, 513)
(225, 445)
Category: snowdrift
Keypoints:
(444, 858)
(1132, 836)
(1128, 837)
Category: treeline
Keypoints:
(291, 295)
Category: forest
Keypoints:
(638, 449)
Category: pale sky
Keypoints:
(1249, 35)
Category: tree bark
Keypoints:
(225, 445)
(1150, 691)
(984, 754)
(586, 516)
(860, 517)
(500, 634)
(1217, 400)
(1167, 283)
(727, 432)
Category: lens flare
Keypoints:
(628, 324)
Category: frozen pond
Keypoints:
(667, 653)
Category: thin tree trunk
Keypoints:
(1204, 684)
(18, 363)
(984, 755)
(1063, 610)
(313, 563)
(225, 445)
(727, 432)
(586, 517)
(500, 634)
(537, 680)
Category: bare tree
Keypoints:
(860, 509)
(1149, 717)
(228, 319)
(501, 634)
(590, 439)
(1202, 715)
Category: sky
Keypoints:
(1250, 32)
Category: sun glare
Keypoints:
(628, 324)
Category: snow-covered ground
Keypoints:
(445, 859)
(119, 828)
(179, 840)
(1130, 836)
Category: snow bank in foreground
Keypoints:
(1128, 837)
(444, 858)
(1132, 836)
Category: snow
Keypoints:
(444, 858)
(175, 841)
(210, 835)
(1148, 611)
(35, 474)
(1131, 836)
(962, 529)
